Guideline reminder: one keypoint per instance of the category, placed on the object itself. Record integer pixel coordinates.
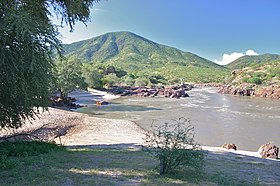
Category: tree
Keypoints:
(255, 80)
(92, 77)
(27, 39)
(128, 80)
(142, 81)
(68, 76)
(111, 80)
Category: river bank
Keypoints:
(77, 130)
(246, 89)
(71, 128)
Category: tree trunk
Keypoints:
(162, 166)
(61, 94)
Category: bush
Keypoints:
(256, 80)
(128, 81)
(174, 146)
(111, 80)
(142, 81)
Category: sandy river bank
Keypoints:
(77, 129)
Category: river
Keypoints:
(217, 118)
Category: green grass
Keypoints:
(27, 148)
(103, 166)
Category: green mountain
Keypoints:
(248, 61)
(142, 57)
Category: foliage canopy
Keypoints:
(68, 76)
(27, 37)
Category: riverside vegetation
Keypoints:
(254, 75)
(126, 59)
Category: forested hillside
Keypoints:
(260, 70)
(142, 58)
(247, 61)
(254, 76)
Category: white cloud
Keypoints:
(251, 53)
(228, 58)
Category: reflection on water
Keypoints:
(248, 122)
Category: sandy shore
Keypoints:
(72, 128)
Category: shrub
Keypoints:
(245, 79)
(111, 80)
(256, 80)
(128, 81)
(174, 146)
(175, 81)
(142, 81)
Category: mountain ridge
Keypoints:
(246, 61)
(115, 42)
(142, 57)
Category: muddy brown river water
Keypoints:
(246, 121)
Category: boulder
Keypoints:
(155, 93)
(184, 93)
(146, 94)
(167, 92)
(170, 92)
(177, 94)
(99, 103)
(229, 146)
(245, 89)
(269, 151)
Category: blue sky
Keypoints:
(214, 29)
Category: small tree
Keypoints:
(68, 76)
(111, 80)
(93, 78)
(255, 80)
(128, 81)
(142, 81)
(174, 146)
